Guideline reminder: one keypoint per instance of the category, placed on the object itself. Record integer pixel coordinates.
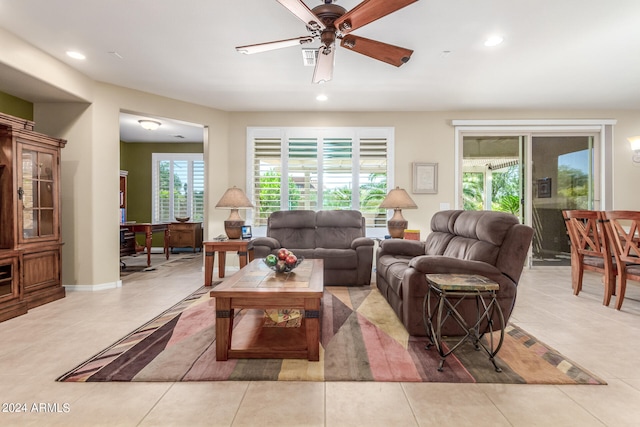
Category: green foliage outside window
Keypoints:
(573, 185)
(269, 195)
(372, 193)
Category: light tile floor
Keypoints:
(49, 340)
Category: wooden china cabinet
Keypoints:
(30, 240)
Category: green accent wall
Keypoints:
(15, 106)
(135, 158)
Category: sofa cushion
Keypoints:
(437, 242)
(337, 229)
(471, 249)
(488, 226)
(293, 229)
(337, 259)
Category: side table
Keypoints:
(243, 247)
(450, 290)
(185, 235)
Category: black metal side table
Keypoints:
(450, 290)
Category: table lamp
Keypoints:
(397, 199)
(234, 199)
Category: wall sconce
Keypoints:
(150, 124)
(398, 199)
(635, 146)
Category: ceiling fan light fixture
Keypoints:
(322, 97)
(150, 124)
(324, 67)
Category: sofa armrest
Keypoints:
(263, 246)
(270, 242)
(438, 264)
(401, 247)
(361, 241)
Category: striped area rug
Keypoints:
(361, 340)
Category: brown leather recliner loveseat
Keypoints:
(492, 244)
(336, 236)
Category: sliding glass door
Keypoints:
(533, 176)
(562, 176)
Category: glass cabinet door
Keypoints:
(37, 193)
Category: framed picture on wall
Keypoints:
(544, 188)
(425, 178)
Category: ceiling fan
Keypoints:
(329, 22)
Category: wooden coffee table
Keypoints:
(258, 287)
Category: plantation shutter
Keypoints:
(337, 167)
(178, 186)
(303, 173)
(267, 171)
(373, 178)
(197, 191)
(319, 168)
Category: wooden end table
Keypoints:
(450, 290)
(243, 247)
(259, 287)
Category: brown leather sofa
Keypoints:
(337, 237)
(492, 244)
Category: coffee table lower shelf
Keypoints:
(258, 342)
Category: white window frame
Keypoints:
(158, 157)
(286, 133)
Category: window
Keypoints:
(178, 186)
(318, 169)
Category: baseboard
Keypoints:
(93, 288)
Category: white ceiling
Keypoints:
(557, 54)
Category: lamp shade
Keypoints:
(234, 199)
(398, 198)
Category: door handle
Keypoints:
(20, 193)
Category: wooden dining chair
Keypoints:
(623, 231)
(590, 250)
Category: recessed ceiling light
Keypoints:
(75, 55)
(493, 41)
(322, 97)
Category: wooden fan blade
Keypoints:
(368, 11)
(324, 64)
(388, 53)
(302, 11)
(263, 47)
